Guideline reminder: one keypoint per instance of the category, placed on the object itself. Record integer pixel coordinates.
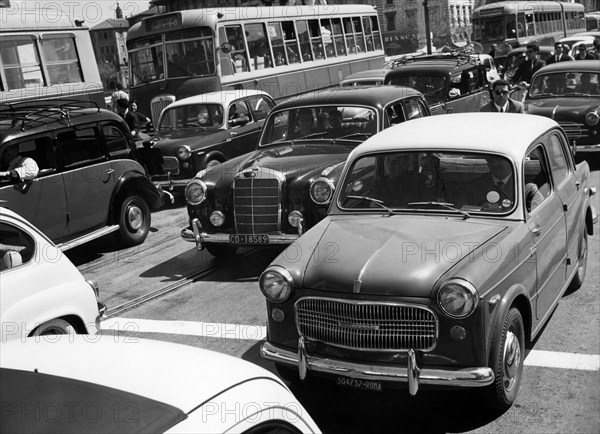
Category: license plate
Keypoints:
(357, 383)
(249, 239)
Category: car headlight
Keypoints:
(276, 284)
(592, 119)
(321, 191)
(458, 298)
(295, 218)
(217, 218)
(184, 152)
(195, 192)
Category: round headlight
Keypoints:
(217, 218)
(458, 298)
(184, 152)
(321, 191)
(294, 218)
(276, 284)
(592, 119)
(195, 192)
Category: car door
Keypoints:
(242, 136)
(42, 201)
(546, 221)
(570, 193)
(88, 177)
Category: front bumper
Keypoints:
(101, 315)
(197, 235)
(411, 374)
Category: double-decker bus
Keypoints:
(511, 24)
(282, 50)
(46, 59)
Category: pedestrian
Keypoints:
(142, 119)
(130, 118)
(118, 94)
(560, 54)
(502, 103)
(583, 53)
(493, 50)
(530, 66)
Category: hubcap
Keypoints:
(512, 360)
(134, 217)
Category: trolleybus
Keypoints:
(511, 24)
(44, 60)
(282, 50)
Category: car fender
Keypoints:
(134, 181)
(206, 155)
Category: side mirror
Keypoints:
(226, 47)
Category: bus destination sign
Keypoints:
(162, 23)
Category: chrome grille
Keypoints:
(170, 164)
(574, 130)
(366, 325)
(256, 205)
(157, 105)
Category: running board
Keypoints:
(87, 238)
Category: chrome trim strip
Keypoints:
(87, 238)
(465, 377)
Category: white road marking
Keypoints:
(539, 358)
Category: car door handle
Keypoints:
(110, 171)
(233, 133)
(537, 231)
(577, 184)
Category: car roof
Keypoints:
(224, 97)
(522, 49)
(462, 131)
(183, 376)
(373, 96)
(367, 75)
(578, 66)
(431, 64)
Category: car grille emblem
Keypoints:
(251, 173)
(356, 286)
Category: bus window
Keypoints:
(530, 27)
(291, 44)
(258, 46)
(326, 32)
(368, 33)
(21, 64)
(304, 39)
(146, 61)
(338, 36)
(350, 43)
(376, 33)
(235, 37)
(276, 36)
(61, 59)
(315, 39)
(359, 35)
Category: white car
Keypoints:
(42, 292)
(115, 384)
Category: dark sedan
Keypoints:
(273, 195)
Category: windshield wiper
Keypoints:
(543, 94)
(373, 200)
(443, 204)
(366, 134)
(317, 134)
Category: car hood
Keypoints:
(559, 109)
(183, 376)
(391, 255)
(168, 142)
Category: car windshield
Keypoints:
(565, 84)
(431, 86)
(340, 122)
(191, 116)
(432, 181)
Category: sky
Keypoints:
(92, 11)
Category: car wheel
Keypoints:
(508, 354)
(134, 220)
(54, 327)
(581, 264)
(221, 250)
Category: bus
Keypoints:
(46, 60)
(282, 50)
(592, 21)
(511, 24)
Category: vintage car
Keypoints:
(90, 182)
(372, 77)
(117, 384)
(42, 291)
(569, 93)
(273, 195)
(450, 82)
(516, 56)
(200, 131)
(441, 256)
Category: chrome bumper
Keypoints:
(411, 374)
(171, 184)
(101, 315)
(195, 234)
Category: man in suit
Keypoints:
(560, 54)
(530, 66)
(502, 103)
(583, 53)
